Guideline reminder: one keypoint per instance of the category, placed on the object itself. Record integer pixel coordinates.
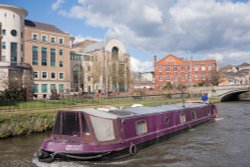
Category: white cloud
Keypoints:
(154, 15)
(232, 57)
(57, 4)
(209, 28)
(80, 38)
(141, 66)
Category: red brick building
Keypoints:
(177, 71)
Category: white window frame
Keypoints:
(55, 75)
(168, 69)
(203, 68)
(168, 78)
(175, 69)
(160, 78)
(182, 69)
(145, 127)
(196, 68)
(51, 38)
(46, 75)
(33, 36)
(196, 77)
(203, 77)
(183, 77)
(62, 40)
(38, 75)
(44, 36)
(160, 69)
(59, 75)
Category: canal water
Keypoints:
(224, 142)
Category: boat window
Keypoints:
(182, 117)
(56, 129)
(141, 127)
(70, 123)
(208, 111)
(103, 128)
(166, 120)
(193, 115)
(85, 127)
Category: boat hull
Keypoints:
(52, 149)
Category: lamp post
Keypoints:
(0, 41)
(191, 78)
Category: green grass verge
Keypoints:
(30, 120)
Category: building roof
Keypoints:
(231, 75)
(84, 44)
(244, 65)
(176, 60)
(43, 26)
(20, 11)
(95, 46)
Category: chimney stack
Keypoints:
(155, 59)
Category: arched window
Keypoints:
(115, 53)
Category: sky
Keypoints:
(201, 29)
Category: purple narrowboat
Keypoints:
(93, 134)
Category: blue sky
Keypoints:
(205, 29)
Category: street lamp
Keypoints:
(191, 78)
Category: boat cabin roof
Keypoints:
(136, 111)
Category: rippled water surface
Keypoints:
(224, 142)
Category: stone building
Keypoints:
(47, 50)
(234, 75)
(109, 70)
(176, 71)
(81, 68)
(143, 80)
(13, 71)
(45, 58)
